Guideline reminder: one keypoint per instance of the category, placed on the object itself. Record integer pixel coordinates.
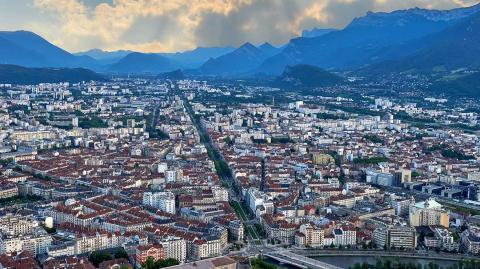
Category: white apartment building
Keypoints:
(10, 244)
(256, 198)
(175, 247)
(16, 224)
(345, 236)
(36, 243)
(174, 175)
(206, 248)
(445, 238)
(402, 237)
(88, 242)
(397, 236)
(380, 237)
(402, 206)
(220, 194)
(164, 201)
(471, 240)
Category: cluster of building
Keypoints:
(321, 177)
(122, 171)
(171, 169)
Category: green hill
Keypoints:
(466, 85)
(15, 74)
(306, 76)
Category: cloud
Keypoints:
(172, 25)
(107, 22)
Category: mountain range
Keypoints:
(457, 46)
(412, 40)
(186, 60)
(195, 58)
(29, 49)
(315, 32)
(104, 57)
(239, 61)
(367, 40)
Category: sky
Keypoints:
(178, 25)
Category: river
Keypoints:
(347, 261)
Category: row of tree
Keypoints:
(150, 263)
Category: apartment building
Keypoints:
(310, 235)
(206, 248)
(236, 230)
(442, 239)
(174, 247)
(164, 201)
(345, 236)
(156, 251)
(17, 224)
(395, 237)
(470, 239)
(36, 242)
(427, 213)
(8, 190)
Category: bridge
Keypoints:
(300, 261)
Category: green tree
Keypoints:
(261, 264)
(98, 257)
(149, 263)
(166, 263)
(121, 253)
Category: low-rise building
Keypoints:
(312, 236)
(345, 236)
(155, 251)
(402, 237)
(471, 240)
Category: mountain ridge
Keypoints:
(457, 46)
(137, 62)
(29, 49)
(240, 61)
(363, 40)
